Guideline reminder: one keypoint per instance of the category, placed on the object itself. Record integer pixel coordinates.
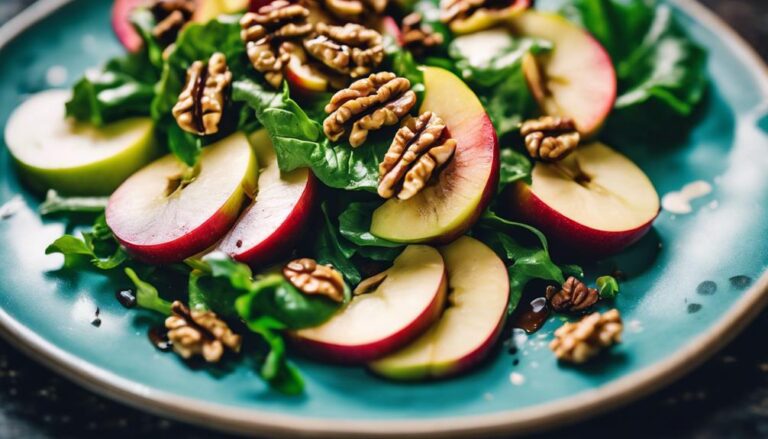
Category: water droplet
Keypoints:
(707, 288)
(516, 379)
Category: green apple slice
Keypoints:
(53, 152)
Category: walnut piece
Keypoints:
(170, 16)
(418, 36)
(580, 341)
(550, 138)
(312, 278)
(200, 333)
(352, 49)
(201, 103)
(264, 31)
(368, 104)
(572, 296)
(355, 10)
(418, 149)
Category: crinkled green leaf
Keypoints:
(147, 295)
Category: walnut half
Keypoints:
(368, 104)
(418, 149)
(200, 333)
(352, 49)
(312, 278)
(201, 103)
(550, 138)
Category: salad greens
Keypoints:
(660, 70)
(660, 74)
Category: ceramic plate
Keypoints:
(670, 325)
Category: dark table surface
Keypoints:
(726, 397)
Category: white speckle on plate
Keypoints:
(11, 207)
(534, 364)
(516, 379)
(679, 202)
(635, 326)
(56, 76)
(713, 205)
(519, 336)
(488, 396)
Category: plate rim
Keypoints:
(540, 417)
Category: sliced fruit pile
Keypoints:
(373, 157)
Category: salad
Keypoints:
(388, 184)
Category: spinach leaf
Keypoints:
(123, 88)
(299, 141)
(355, 225)
(97, 247)
(55, 203)
(197, 41)
(661, 72)
(330, 248)
(496, 76)
(523, 248)
(514, 167)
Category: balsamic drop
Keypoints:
(158, 336)
(707, 288)
(530, 317)
(126, 297)
(693, 308)
(740, 282)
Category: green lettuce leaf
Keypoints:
(661, 72)
(147, 295)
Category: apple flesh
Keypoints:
(449, 206)
(576, 78)
(74, 158)
(161, 217)
(595, 202)
(278, 215)
(374, 324)
(486, 18)
(470, 325)
(205, 10)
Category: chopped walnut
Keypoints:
(200, 333)
(354, 10)
(170, 16)
(351, 49)
(572, 296)
(418, 36)
(580, 341)
(312, 278)
(201, 103)
(368, 104)
(418, 149)
(265, 30)
(550, 138)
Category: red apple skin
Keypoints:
(121, 24)
(255, 5)
(564, 232)
(389, 27)
(488, 192)
(361, 354)
(195, 241)
(478, 355)
(283, 239)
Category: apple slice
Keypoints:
(470, 325)
(576, 79)
(164, 213)
(595, 201)
(278, 215)
(446, 208)
(53, 152)
(486, 18)
(205, 10)
(373, 324)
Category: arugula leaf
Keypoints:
(55, 203)
(299, 141)
(147, 295)
(276, 370)
(661, 72)
(525, 250)
(97, 248)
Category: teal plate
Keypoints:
(670, 327)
